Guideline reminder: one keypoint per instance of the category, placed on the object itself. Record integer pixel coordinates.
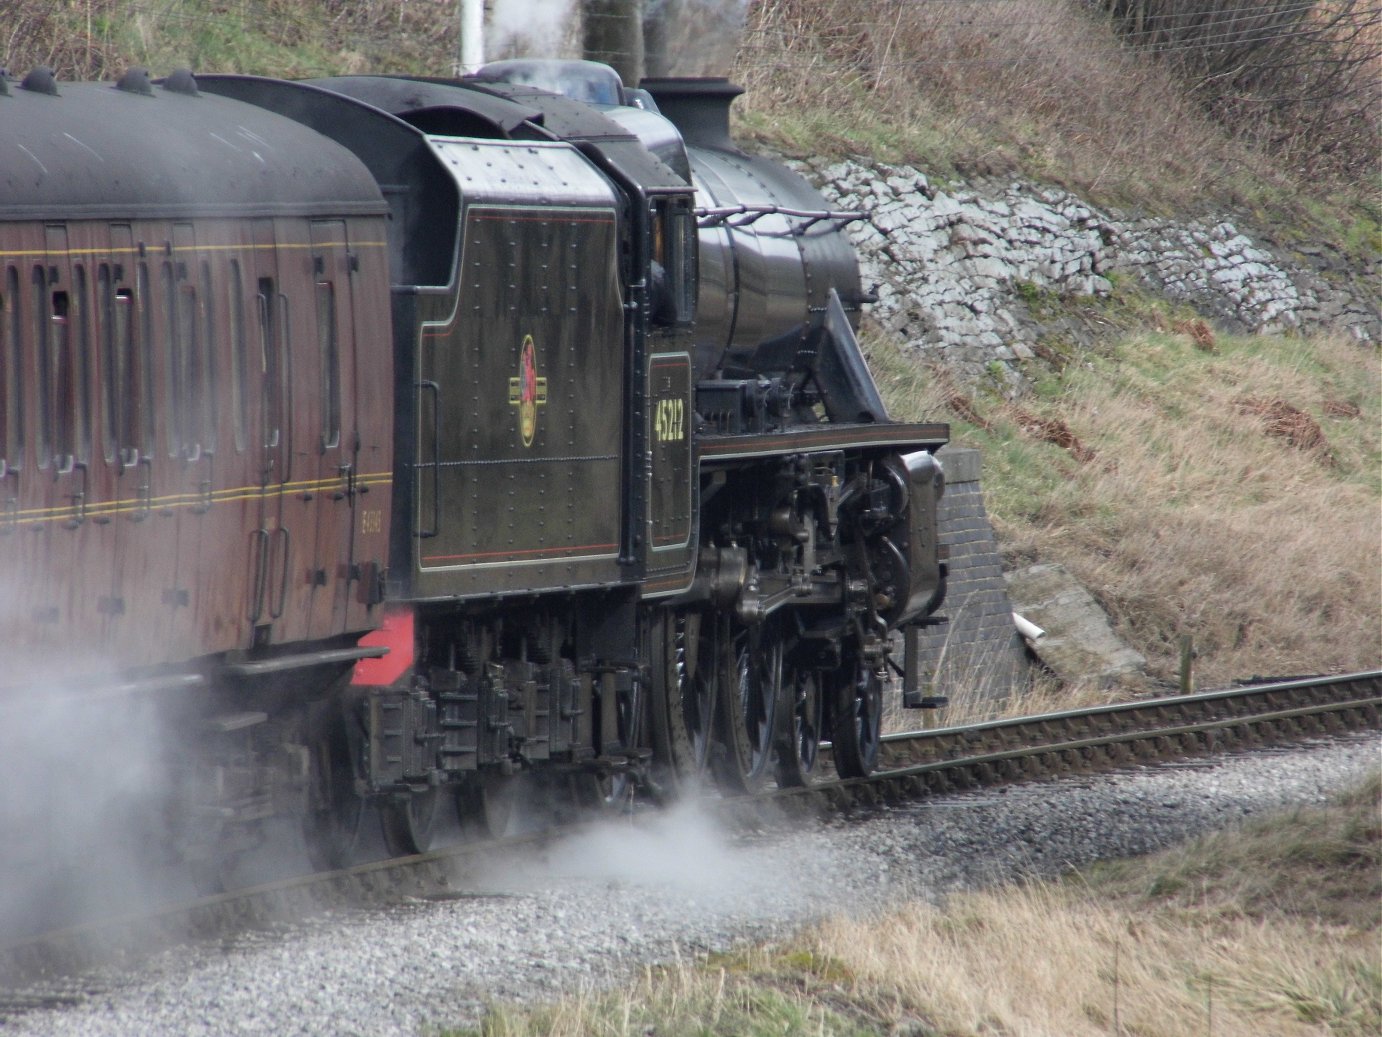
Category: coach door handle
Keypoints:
(259, 556)
(275, 611)
(78, 499)
(205, 492)
(435, 390)
(144, 492)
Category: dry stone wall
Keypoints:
(976, 654)
(956, 267)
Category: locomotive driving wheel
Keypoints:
(686, 660)
(802, 719)
(751, 679)
(857, 730)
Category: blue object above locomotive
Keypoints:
(645, 517)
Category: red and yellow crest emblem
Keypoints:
(528, 391)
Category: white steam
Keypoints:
(83, 787)
(680, 848)
(531, 28)
(701, 36)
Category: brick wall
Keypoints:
(978, 653)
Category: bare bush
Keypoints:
(1304, 78)
(67, 39)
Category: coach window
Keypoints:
(7, 346)
(270, 358)
(64, 387)
(79, 364)
(13, 373)
(237, 354)
(330, 365)
(210, 411)
(43, 364)
(189, 386)
(192, 367)
(141, 373)
(129, 383)
(172, 361)
(110, 363)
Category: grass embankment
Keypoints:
(1226, 488)
(1271, 929)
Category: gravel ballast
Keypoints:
(670, 888)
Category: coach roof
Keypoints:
(139, 150)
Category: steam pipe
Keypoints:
(472, 35)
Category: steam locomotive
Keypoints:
(411, 442)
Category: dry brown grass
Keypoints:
(1211, 518)
(1256, 529)
(1272, 929)
(1269, 561)
(1040, 961)
(99, 39)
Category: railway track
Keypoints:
(910, 766)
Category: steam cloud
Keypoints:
(83, 785)
(530, 28)
(699, 37)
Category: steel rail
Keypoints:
(898, 750)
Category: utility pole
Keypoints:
(472, 16)
(613, 33)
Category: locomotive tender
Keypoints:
(397, 436)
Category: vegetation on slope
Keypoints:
(99, 39)
(1225, 488)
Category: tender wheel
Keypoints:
(332, 823)
(802, 706)
(484, 804)
(686, 659)
(408, 824)
(857, 729)
(751, 677)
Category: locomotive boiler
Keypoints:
(412, 442)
